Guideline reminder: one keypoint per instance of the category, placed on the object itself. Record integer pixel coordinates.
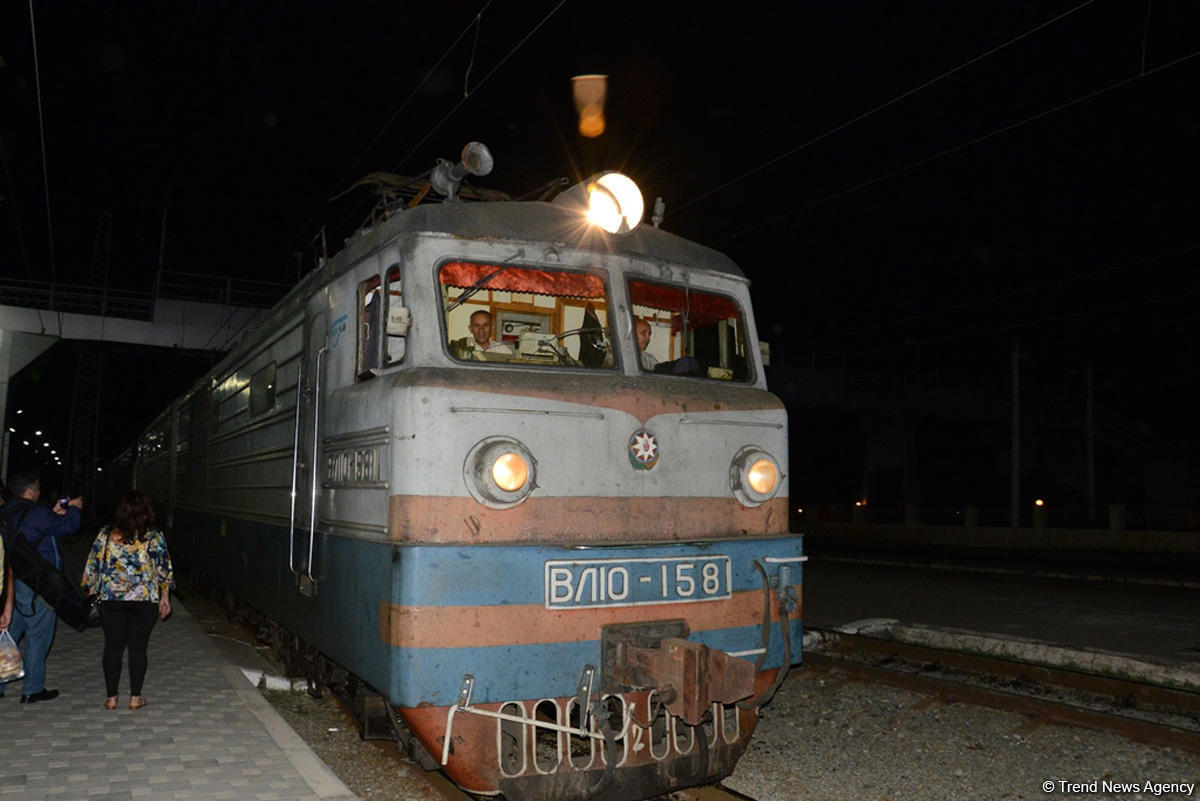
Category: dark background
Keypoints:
(913, 193)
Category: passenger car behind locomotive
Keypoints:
(567, 572)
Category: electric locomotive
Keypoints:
(513, 465)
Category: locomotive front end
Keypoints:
(593, 586)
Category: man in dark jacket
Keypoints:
(32, 616)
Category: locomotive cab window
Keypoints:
(370, 326)
(398, 318)
(505, 313)
(685, 331)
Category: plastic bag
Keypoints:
(11, 666)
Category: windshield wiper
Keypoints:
(482, 282)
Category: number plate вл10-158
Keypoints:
(582, 583)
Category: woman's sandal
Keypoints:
(137, 702)
(111, 702)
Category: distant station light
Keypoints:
(37, 433)
(1039, 502)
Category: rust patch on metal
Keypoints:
(689, 675)
(463, 520)
(641, 398)
(526, 624)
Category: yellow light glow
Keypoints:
(1039, 502)
(510, 472)
(589, 92)
(615, 203)
(591, 124)
(762, 476)
(604, 211)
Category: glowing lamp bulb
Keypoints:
(762, 476)
(615, 203)
(510, 472)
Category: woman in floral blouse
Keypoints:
(129, 567)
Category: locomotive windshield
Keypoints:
(525, 315)
(685, 331)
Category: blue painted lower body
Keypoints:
(355, 578)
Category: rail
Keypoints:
(1139, 710)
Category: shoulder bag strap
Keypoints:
(26, 506)
(103, 562)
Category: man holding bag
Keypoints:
(32, 617)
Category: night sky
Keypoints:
(908, 185)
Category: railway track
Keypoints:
(1140, 711)
(711, 792)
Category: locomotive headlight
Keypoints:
(754, 476)
(510, 471)
(614, 203)
(500, 472)
(762, 476)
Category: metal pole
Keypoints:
(1089, 422)
(1015, 480)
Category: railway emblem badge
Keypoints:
(643, 450)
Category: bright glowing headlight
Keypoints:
(762, 476)
(510, 471)
(499, 472)
(754, 476)
(614, 203)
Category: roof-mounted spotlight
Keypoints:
(610, 201)
(614, 202)
(476, 159)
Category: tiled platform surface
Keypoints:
(206, 732)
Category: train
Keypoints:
(452, 462)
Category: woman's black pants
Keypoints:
(127, 624)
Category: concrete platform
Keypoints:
(206, 732)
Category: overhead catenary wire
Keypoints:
(358, 208)
(37, 78)
(961, 146)
(882, 106)
(482, 81)
(392, 119)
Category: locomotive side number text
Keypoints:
(626, 582)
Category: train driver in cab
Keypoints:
(480, 341)
(642, 327)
